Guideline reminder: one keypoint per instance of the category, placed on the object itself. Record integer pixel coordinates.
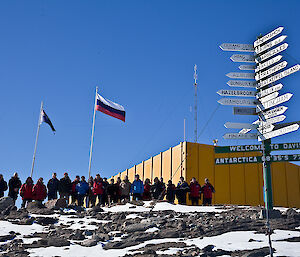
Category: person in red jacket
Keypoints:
(195, 191)
(207, 190)
(26, 192)
(98, 189)
(39, 191)
(147, 189)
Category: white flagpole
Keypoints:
(36, 139)
(93, 129)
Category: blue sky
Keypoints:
(140, 54)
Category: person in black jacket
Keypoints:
(65, 186)
(3, 186)
(53, 185)
(14, 185)
(156, 189)
(111, 191)
(171, 192)
(181, 190)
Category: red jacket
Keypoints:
(74, 183)
(98, 188)
(195, 189)
(39, 191)
(146, 193)
(207, 191)
(26, 191)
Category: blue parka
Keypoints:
(82, 187)
(137, 187)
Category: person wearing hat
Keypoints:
(53, 185)
(65, 186)
(14, 185)
(82, 188)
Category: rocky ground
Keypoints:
(145, 229)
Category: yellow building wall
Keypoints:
(240, 184)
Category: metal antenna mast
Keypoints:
(195, 107)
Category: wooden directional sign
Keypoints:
(274, 42)
(240, 136)
(244, 111)
(240, 75)
(274, 112)
(234, 125)
(278, 76)
(268, 36)
(258, 159)
(242, 58)
(270, 71)
(237, 101)
(230, 92)
(278, 132)
(247, 67)
(278, 100)
(272, 52)
(255, 148)
(268, 63)
(237, 47)
(268, 97)
(269, 90)
(242, 83)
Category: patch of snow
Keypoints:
(151, 230)
(133, 216)
(6, 227)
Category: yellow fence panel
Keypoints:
(222, 183)
(166, 164)
(279, 184)
(131, 174)
(157, 166)
(176, 163)
(148, 169)
(292, 180)
(140, 170)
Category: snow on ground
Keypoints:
(230, 241)
(163, 206)
(6, 227)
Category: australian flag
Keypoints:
(45, 118)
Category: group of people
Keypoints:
(106, 192)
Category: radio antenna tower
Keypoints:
(195, 107)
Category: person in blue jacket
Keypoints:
(82, 188)
(137, 188)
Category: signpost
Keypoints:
(246, 93)
(242, 58)
(234, 125)
(240, 75)
(278, 100)
(267, 37)
(271, 53)
(270, 71)
(237, 101)
(237, 47)
(268, 97)
(274, 112)
(261, 66)
(279, 132)
(240, 136)
(269, 90)
(241, 83)
(274, 42)
(244, 111)
(247, 67)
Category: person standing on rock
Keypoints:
(171, 192)
(181, 190)
(65, 187)
(91, 198)
(137, 188)
(118, 188)
(147, 190)
(111, 191)
(195, 191)
(104, 197)
(53, 185)
(14, 185)
(74, 193)
(39, 191)
(207, 190)
(156, 189)
(26, 192)
(98, 189)
(3, 186)
(82, 188)
(163, 185)
(125, 189)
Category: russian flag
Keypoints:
(110, 108)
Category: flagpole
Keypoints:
(93, 129)
(36, 139)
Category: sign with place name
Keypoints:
(269, 90)
(240, 75)
(278, 100)
(230, 92)
(237, 101)
(270, 71)
(278, 76)
(275, 119)
(268, 63)
(240, 136)
(266, 128)
(234, 125)
(237, 47)
(247, 67)
(274, 42)
(272, 52)
(242, 83)
(242, 58)
(244, 131)
(268, 97)
(255, 148)
(244, 111)
(279, 132)
(258, 159)
(274, 112)
(267, 37)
